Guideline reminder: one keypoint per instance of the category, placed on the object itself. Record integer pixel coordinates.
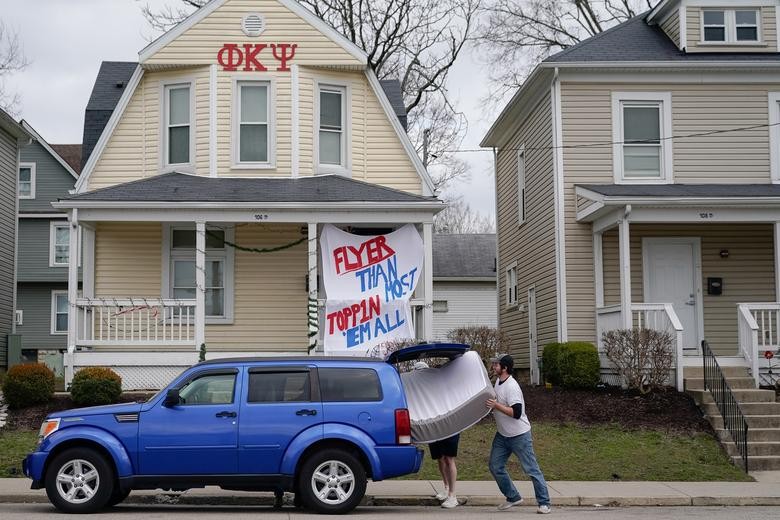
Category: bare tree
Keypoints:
(458, 217)
(12, 59)
(415, 41)
(518, 34)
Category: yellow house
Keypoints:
(237, 135)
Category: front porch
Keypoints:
(700, 269)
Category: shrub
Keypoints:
(643, 357)
(28, 384)
(550, 356)
(578, 365)
(95, 385)
(486, 341)
(386, 348)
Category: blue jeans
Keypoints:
(523, 447)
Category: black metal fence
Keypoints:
(733, 418)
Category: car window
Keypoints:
(279, 387)
(349, 384)
(209, 389)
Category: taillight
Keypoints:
(403, 427)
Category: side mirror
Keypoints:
(172, 398)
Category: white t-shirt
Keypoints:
(507, 394)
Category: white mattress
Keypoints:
(447, 400)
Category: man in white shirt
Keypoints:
(513, 436)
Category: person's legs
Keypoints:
(442, 462)
(499, 454)
(451, 470)
(523, 447)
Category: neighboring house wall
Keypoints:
(532, 244)
(52, 181)
(768, 30)
(35, 300)
(671, 26)
(9, 163)
(34, 248)
(467, 303)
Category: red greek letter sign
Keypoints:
(231, 56)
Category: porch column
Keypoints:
(313, 310)
(88, 261)
(625, 272)
(427, 280)
(598, 268)
(777, 262)
(200, 283)
(73, 288)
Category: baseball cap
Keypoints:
(505, 360)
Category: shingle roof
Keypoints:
(70, 153)
(464, 256)
(180, 187)
(392, 88)
(635, 40)
(109, 85)
(684, 190)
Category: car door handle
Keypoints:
(306, 412)
(226, 414)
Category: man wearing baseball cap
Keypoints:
(513, 436)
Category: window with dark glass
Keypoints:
(279, 387)
(349, 384)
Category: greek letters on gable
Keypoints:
(231, 57)
(250, 54)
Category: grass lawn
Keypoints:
(572, 452)
(14, 446)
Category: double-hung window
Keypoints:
(253, 130)
(511, 285)
(59, 312)
(520, 186)
(641, 132)
(59, 244)
(730, 25)
(331, 129)
(178, 135)
(26, 185)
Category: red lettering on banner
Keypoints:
(351, 315)
(370, 252)
(250, 51)
(234, 56)
(284, 57)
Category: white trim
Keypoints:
(774, 135)
(776, 227)
(295, 128)
(313, 20)
(434, 204)
(521, 188)
(345, 90)
(683, 14)
(238, 81)
(136, 357)
(427, 312)
(88, 254)
(428, 189)
(509, 302)
(560, 216)
(498, 258)
(200, 282)
(624, 245)
(730, 4)
(42, 215)
(32, 166)
(165, 86)
(664, 99)
(73, 287)
(53, 225)
(313, 278)
(48, 148)
(53, 316)
(656, 10)
(108, 131)
(213, 134)
(681, 64)
(730, 26)
(653, 77)
(598, 268)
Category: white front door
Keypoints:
(533, 344)
(670, 276)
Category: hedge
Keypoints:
(28, 384)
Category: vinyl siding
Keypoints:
(468, 303)
(671, 26)
(531, 245)
(9, 168)
(767, 30)
(52, 181)
(201, 43)
(35, 300)
(128, 259)
(34, 245)
(748, 272)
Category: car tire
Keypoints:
(79, 480)
(332, 481)
(117, 497)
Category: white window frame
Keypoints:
(664, 99)
(511, 298)
(730, 22)
(52, 237)
(774, 136)
(32, 167)
(53, 318)
(227, 255)
(165, 88)
(521, 191)
(344, 168)
(238, 82)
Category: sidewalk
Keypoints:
(476, 493)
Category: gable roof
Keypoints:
(49, 149)
(10, 125)
(464, 256)
(70, 153)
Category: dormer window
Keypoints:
(730, 25)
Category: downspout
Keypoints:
(560, 221)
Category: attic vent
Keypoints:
(253, 24)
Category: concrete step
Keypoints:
(754, 421)
(697, 372)
(754, 448)
(754, 435)
(747, 408)
(760, 463)
(741, 395)
(744, 383)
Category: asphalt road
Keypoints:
(37, 511)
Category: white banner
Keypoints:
(368, 281)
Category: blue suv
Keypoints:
(316, 426)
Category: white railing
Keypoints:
(757, 329)
(607, 318)
(134, 322)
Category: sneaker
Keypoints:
(507, 505)
(450, 502)
(544, 510)
(441, 496)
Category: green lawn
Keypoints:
(570, 452)
(14, 446)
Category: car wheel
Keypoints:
(79, 480)
(117, 497)
(332, 481)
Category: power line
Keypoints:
(613, 143)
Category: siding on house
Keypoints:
(52, 181)
(671, 26)
(35, 300)
(532, 244)
(468, 304)
(34, 246)
(767, 30)
(128, 259)
(9, 164)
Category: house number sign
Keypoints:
(250, 56)
(706, 215)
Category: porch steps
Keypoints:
(761, 410)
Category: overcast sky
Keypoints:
(65, 41)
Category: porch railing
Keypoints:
(135, 321)
(758, 329)
(733, 419)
